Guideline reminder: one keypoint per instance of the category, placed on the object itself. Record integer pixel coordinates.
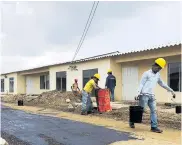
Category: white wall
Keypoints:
(102, 65)
(35, 78)
(6, 83)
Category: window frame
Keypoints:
(2, 90)
(11, 80)
(90, 74)
(61, 75)
(168, 75)
(45, 85)
(47, 82)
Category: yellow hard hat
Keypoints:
(97, 76)
(161, 62)
(109, 71)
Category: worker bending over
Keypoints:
(145, 92)
(111, 84)
(86, 94)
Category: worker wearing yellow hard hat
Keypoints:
(109, 71)
(160, 62)
(146, 95)
(86, 94)
(111, 84)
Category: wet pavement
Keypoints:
(21, 128)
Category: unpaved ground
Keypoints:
(57, 100)
(143, 142)
(168, 137)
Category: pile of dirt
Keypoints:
(12, 98)
(55, 99)
(53, 96)
(52, 99)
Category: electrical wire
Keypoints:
(84, 34)
(84, 29)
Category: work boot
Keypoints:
(132, 125)
(156, 130)
(89, 112)
(84, 113)
(96, 111)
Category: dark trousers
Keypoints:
(112, 94)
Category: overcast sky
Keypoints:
(42, 33)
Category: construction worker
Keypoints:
(75, 89)
(96, 95)
(145, 92)
(111, 84)
(86, 94)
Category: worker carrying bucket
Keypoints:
(145, 92)
(86, 94)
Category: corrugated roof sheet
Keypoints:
(129, 52)
(112, 54)
(152, 48)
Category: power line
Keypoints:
(84, 34)
(84, 29)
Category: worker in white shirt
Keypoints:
(145, 92)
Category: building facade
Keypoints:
(128, 69)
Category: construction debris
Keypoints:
(70, 106)
(67, 100)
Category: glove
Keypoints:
(174, 95)
(137, 98)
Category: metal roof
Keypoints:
(129, 52)
(68, 62)
(152, 48)
(117, 53)
(111, 54)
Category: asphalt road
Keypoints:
(21, 128)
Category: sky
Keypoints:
(36, 34)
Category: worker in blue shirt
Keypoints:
(111, 84)
(146, 94)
